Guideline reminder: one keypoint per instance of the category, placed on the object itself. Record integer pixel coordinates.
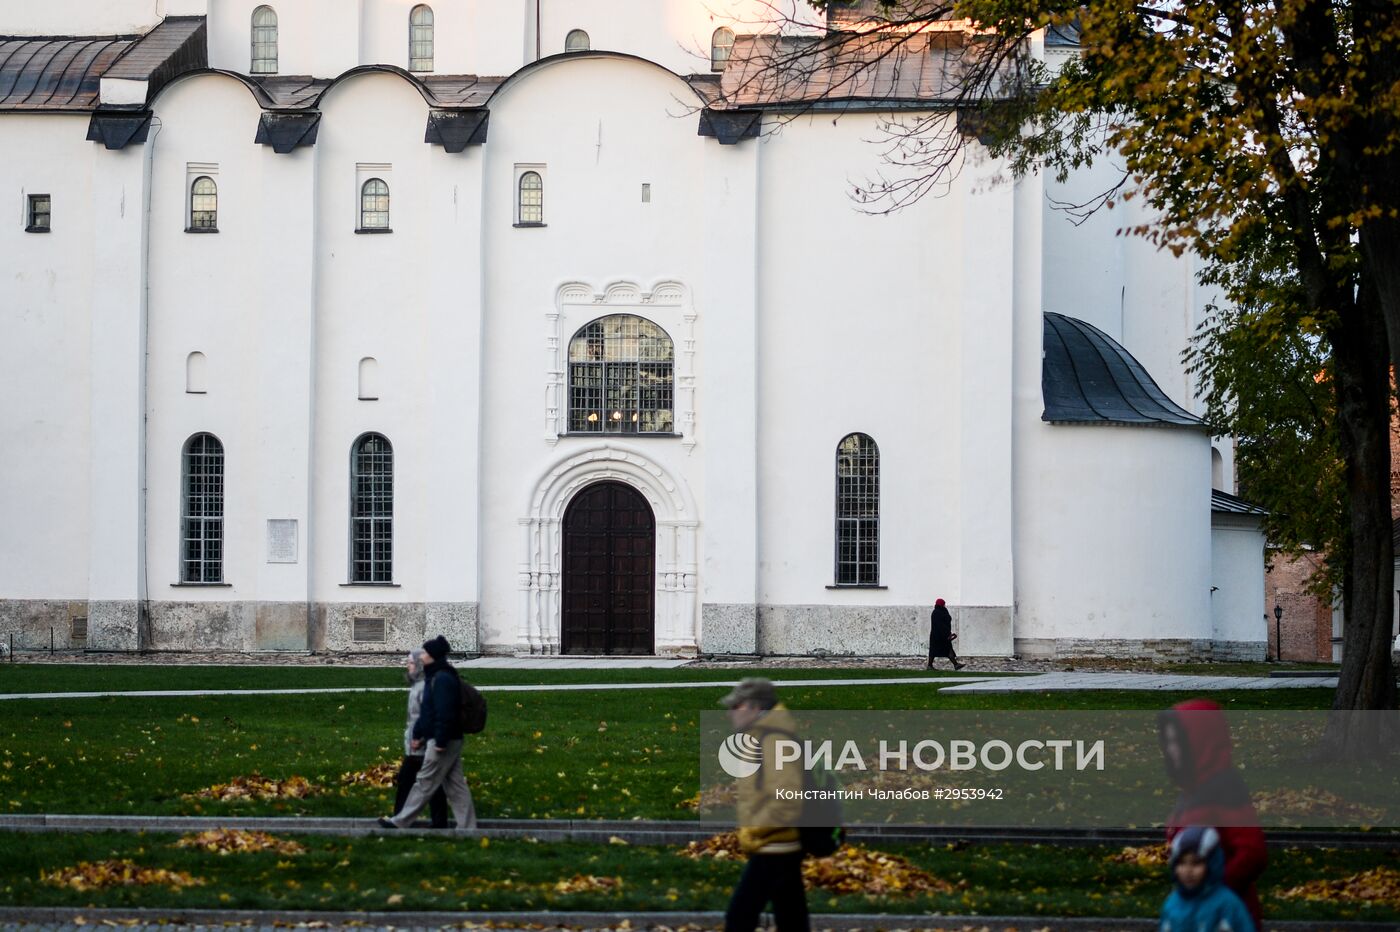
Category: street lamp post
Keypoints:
(1278, 633)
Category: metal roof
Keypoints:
(43, 73)
(1086, 377)
(65, 73)
(1233, 504)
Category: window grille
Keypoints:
(531, 198)
(621, 377)
(374, 205)
(78, 629)
(577, 41)
(202, 560)
(264, 41)
(857, 511)
(721, 44)
(204, 204)
(372, 510)
(420, 38)
(40, 213)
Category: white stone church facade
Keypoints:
(333, 325)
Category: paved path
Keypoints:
(1044, 682)
(1163, 682)
(68, 919)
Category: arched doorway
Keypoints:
(609, 570)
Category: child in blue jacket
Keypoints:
(1201, 902)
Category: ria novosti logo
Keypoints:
(741, 755)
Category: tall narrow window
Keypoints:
(40, 213)
(531, 200)
(577, 41)
(204, 205)
(857, 511)
(374, 205)
(420, 38)
(721, 44)
(202, 511)
(621, 377)
(195, 374)
(264, 41)
(372, 510)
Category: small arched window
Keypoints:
(721, 44)
(857, 511)
(372, 510)
(621, 377)
(577, 41)
(202, 510)
(1217, 470)
(369, 379)
(204, 204)
(264, 41)
(530, 202)
(374, 205)
(420, 38)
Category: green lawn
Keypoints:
(444, 873)
(39, 677)
(579, 754)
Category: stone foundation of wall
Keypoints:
(728, 629)
(1165, 649)
(879, 630)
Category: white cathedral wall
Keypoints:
(1237, 587)
(896, 326)
(596, 129)
(45, 361)
(85, 18)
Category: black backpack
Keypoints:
(471, 709)
(820, 833)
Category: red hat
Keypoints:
(939, 602)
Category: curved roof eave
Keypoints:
(549, 60)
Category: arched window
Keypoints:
(202, 511)
(857, 511)
(1217, 470)
(721, 44)
(576, 41)
(621, 377)
(420, 38)
(204, 204)
(530, 203)
(372, 510)
(374, 205)
(264, 41)
(369, 379)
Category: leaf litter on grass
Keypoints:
(256, 786)
(379, 777)
(1379, 886)
(1145, 856)
(238, 841)
(99, 875)
(852, 869)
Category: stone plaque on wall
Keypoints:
(281, 540)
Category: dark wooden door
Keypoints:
(609, 572)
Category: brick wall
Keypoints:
(1307, 620)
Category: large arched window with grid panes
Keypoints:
(721, 44)
(204, 204)
(374, 205)
(420, 38)
(264, 41)
(372, 510)
(857, 511)
(202, 510)
(621, 377)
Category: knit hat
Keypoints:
(939, 602)
(437, 648)
(755, 689)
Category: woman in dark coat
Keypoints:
(941, 636)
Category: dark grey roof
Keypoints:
(43, 73)
(51, 73)
(1062, 37)
(1088, 378)
(1233, 504)
(441, 91)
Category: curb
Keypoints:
(851, 922)
(657, 832)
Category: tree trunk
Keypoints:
(1362, 378)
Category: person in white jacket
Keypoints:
(413, 757)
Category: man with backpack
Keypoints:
(443, 719)
(768, 819)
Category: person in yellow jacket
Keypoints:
(768, 818)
